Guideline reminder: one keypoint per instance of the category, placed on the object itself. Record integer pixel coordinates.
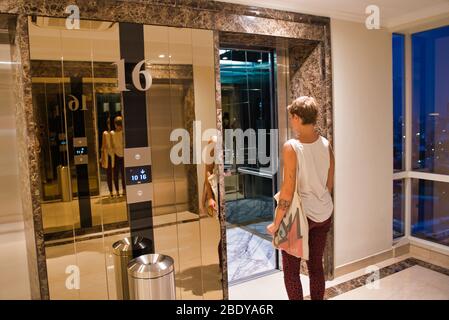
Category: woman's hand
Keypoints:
(212, 204)
(272, 228)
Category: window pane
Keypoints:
(398, 101)
(430, 210)
(431, 101)
(398, 208)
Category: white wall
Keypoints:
(363, 111)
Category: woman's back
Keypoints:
(314, 162)
(107, 143)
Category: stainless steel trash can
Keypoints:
(152, 277)
(64, 183)
(123, 253)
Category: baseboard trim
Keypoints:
(415, 248)
(373, 259)
(429, 254)
(363, 263)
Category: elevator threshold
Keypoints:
(254, 277)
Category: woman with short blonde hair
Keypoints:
(310, 156)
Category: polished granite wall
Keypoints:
(201, 14)
(219, 150)
(28, 149)
(307, 73)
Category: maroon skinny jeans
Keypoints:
(291, 264)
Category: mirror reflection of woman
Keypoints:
(107, 155)
(119, 163)
(210, 192)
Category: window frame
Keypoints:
(408, 174)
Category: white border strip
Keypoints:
(421, 176)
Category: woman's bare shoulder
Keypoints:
(290, 143)
(288, 150)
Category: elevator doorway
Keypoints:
(248, 103)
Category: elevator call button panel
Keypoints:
(80, 150)
(138, 175)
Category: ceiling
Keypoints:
(393, 13)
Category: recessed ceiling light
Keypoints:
(162, 56)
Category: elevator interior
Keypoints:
(248, 102)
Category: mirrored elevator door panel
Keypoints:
(108, 106)
(205, 112)
(247, 97)
(77, 50)
(182, 107)
(182, 92)
(160, 126)
(57, 211)
(77, 71)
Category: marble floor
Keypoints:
(402, 278)
(414, 283)
(249, 254)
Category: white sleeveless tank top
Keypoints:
(313, 161)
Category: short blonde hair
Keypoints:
(118, 121)
(306, 108)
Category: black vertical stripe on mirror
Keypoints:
(82, 172)
(135, 120)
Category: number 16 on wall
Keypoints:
(74, 104)
(135, 76)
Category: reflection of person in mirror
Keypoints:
(107, 154)
(210, 190)
(210, 194)
(117, 144)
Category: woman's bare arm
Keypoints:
(289, 183)
(208, 187)
(209, 171)
(103, 141)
